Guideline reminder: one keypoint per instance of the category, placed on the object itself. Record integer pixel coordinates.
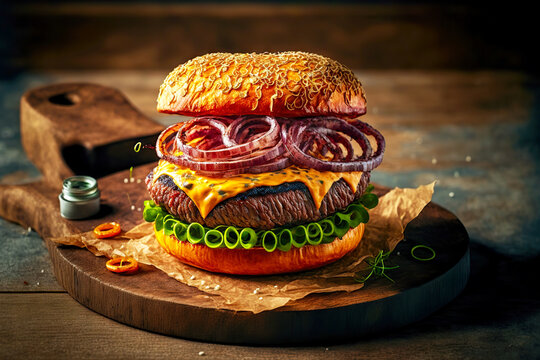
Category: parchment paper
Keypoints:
(259, 293)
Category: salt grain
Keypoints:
(468, 158)
(456, 174)
(451, 194)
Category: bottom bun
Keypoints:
(257, 261)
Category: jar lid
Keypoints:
(80, 188)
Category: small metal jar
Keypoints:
(79, 198)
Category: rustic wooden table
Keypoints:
(476, 133)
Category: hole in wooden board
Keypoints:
(65, 99)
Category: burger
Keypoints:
(271, 172)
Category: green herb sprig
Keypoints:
(377, 267)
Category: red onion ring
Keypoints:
(295, 134)
(255, 144)
(232, 147)
(262, 150)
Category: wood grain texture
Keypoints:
(153, 301)
(363, 36)
(45, 326)
(497, 316)
(69, 129)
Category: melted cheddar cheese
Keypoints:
(207, 192)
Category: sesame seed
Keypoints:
(468, 158)
(260, 298)
(132, 207)
(275, 286)
(451, 194)
(192, 277)
(434, 161)
(207, 287)
(131, 179)
(419, 140)
(138, 209)
(456, 174)
(256, 291)
(139, 181)
(201, 353)
(202, 282)
(42, 271)
(217, 287)
(126, 180)
(398, 253)
(37, 283)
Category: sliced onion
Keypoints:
(232, 146)
(295, 136)
(255, 144)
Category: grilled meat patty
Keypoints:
(264, 207)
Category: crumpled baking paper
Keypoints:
(260, 293)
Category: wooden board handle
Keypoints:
(85, 129)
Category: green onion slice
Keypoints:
(343, 224)
(248, 238)
(269, 241)
(314, 233)
(180, 231)
(231, 237)
(285, 240)
(195, 233)
(299, 236)
(213, 239)
(424, 258)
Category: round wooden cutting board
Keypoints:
(153, 301)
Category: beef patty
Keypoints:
(264, 207)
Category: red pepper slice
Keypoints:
(107, 230)
(122, 265)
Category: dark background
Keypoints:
(445, 81)
(73, 35)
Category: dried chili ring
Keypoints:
(122, 265)
(107, 230)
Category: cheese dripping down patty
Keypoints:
(207, 192)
